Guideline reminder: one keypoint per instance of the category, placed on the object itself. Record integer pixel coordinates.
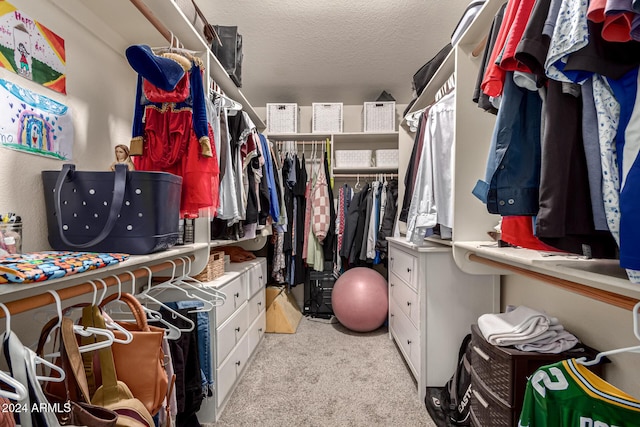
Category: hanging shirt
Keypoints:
(570, 35)
(372, 231)
(229, 208)
(568, 394)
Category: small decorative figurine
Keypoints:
(122, 156)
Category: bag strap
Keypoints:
(69, 346)
(119, 184)
(135, 307)
(209, 30)
(107, 366)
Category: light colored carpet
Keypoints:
(323, 376)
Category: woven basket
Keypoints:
(214, 268)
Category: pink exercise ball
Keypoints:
(360, 299)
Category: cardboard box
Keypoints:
(283, 314)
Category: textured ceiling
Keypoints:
(308, 51)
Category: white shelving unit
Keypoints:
(473, 130)
(348, 141)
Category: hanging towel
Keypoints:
(517, 326)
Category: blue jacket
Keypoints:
(513, 169)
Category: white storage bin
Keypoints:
(353, 158)
(282, 118)
(380, 116)
(387, 158)
(327, 117)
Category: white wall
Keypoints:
(100, 93)
(597, 324)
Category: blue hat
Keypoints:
(164, 73)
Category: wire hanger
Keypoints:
(38, 359)
(634, 349)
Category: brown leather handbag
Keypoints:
(140, 364)
(115, 394)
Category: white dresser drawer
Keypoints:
(236, 293)
(257, 277)
(407, 337)
(230, 332)
(404, 265)
(231, 368)
(406, 298)
(256, 331)
(256, 305)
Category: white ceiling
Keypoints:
(346, 51)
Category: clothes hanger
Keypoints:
(109, 322)
(85, 331)
(357, 185)
(171, 331)
(177, 282)
(145, 295)
(633, 349)
(186, 279)
(38, 359)
(20, 392)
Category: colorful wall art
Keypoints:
(33, 123)
(30, 49)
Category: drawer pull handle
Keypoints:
(259, 303)
(481, 353)
(237, 295)
(238, 329)
(480, 398)
(408, 270)
(238, 363)
(391, 314)
(409, 342)
(260, 277)
(391, 284)
(409, 303)
(259, 329)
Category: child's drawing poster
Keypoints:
(34, 123)
(30, 49)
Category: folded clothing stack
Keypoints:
(527, 330)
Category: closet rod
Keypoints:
(303, 142)
(360, 175)
(608, 297)
(144, 9)
(42, 300)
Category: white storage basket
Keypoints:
(327, 117)
(387, 158)
(282, 118)
(353, 158)
(380, 116)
